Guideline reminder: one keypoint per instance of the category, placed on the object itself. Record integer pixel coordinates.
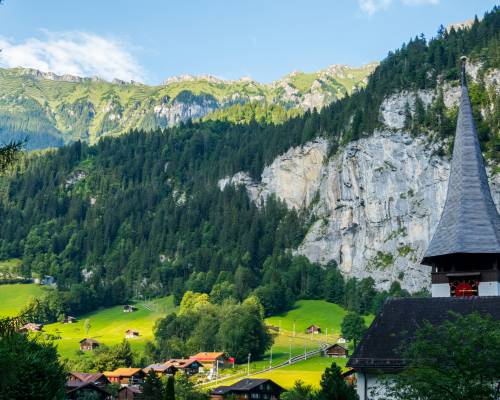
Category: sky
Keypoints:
(151, 40)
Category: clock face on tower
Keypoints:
(463, 287)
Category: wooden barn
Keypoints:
(88, 344)
(336, 351)
(248, 389)
(313, 330)
(130, 333)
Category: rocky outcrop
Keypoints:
(376, 203)
(293, 177)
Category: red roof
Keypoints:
(208, 356)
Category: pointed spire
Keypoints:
(470, 222)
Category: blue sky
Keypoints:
(150, 40)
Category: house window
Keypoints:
(255, 396)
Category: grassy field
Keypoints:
(14, 297)
(308, 371)
(305, 313)
(313, 312)
(108, 326)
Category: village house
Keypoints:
(212, 360)
(187, 366)
(88, 344)
(79, 390)
(130, 333)
(248, 389)
(126, 376)
(31, 327)
(129, 393)
(129, 308)
(313, 329)
(161, 369)
(68, 319)
(336, 350)
(97, 378)
(464, 255)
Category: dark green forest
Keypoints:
(142, 215)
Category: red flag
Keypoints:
(231, 360)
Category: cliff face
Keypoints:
(375, 204)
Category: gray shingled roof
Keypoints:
(470, 222)
(400, 318)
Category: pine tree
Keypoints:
(334, 387)
(152, 388)
(170, 389)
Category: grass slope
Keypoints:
(14, 297)
(108, 326)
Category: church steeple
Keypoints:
(465, 248)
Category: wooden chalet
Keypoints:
(31, 327)
(129, 393)
(161, 369)
(97, 378)
(88, 344)
(313, 330)
(79, 390)
(129, 308)
(212, 359)
(248, 389)
(126, 376)
(336, 351)
(187, 366)
(130, 333)
(68, 319)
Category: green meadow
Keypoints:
(14, 297)
(108, 326)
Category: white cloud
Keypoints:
(75, 53)
(370, 7)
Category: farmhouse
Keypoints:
(126, 376)
(129, 393)
(31, 327)
(336, 350)
(130, 333)
(248, 389)
(464, 256)
(129, 308)
(188, 367)
(68, 319)
(161, 369)
(313, 329)
(88, 344)
(211, 359)
(98, 378)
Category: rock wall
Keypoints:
(375, 205)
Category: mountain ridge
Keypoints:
(66, 108)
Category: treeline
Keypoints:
(142, 215)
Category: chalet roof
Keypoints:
(181, 363)
(335, 345)
(158, 367)
(89, 340)
(380, 347)
(133, 389)
(469, 222)
(126, 372)
(208, 356)
(87, 377)
(244, 385)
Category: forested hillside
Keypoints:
(142, 214)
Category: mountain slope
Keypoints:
(52, 109)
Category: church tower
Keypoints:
(465, 250)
